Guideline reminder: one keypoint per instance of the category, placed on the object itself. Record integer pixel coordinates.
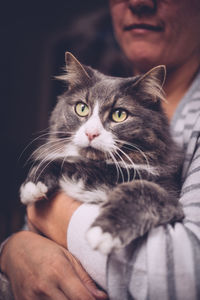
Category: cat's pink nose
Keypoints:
(92, 135)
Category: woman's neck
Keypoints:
(177, 83)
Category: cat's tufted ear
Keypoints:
(152, 83)
(75, 72)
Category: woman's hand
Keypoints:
(52, 217)
(40, 269)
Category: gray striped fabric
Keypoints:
(166, 265)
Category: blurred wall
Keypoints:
(34, 37)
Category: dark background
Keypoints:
(34, 36)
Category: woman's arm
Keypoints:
(54, 219)
(38, 268)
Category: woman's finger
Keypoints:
(85, 286)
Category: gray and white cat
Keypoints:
(109, 143)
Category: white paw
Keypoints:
(102, 241)
(31, 192)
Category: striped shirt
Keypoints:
(167, 264)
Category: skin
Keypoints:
(62, 206)
(147, 48)
(50, 273)
(175, 43)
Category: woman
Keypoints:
(167, 263)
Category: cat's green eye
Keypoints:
(82, 109)
(119, 115)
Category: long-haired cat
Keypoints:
(109, 143)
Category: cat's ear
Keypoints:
(152, 83)
(75, 72)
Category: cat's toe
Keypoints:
(102, 241)
(31, 192)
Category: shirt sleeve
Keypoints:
(165, 265)
(93, 261)
(5, 287)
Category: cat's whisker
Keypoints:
(144, 155)
(121, 172)
(63, 162)
(29, 144)
(124, 163)
(133, 164)
(46, 156)
(48, 147)
(54, 147)
(36, 170)
(64, 178)
(135, 147)
(40, 138)
(118, 169)
(52, 133)
(49, 159)
(126, 155)
(36, 179)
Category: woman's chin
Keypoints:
(144, 59)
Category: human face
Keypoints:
(153, 32)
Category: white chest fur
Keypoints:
(76, 189)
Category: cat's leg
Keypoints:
(131, 211)
(38, 185)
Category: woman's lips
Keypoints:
(143, 27)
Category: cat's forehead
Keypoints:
(106, 90)
(107, 87)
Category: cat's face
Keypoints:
(92, 138)
(106, 118)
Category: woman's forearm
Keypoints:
(52, 217)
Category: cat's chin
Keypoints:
(93, 154)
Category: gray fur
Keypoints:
(140, 177)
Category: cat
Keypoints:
(109, 143)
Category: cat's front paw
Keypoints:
(31, 192)
(102, 241)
